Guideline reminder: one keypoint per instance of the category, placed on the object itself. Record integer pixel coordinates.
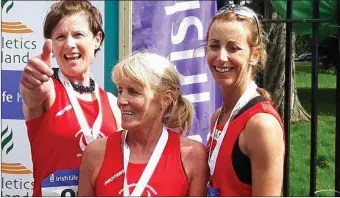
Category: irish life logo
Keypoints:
(7, 146)
(15, 27)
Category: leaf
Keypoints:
(3, 2)
(4, 132)
(7, 140)
(9, 7)
(9, 149)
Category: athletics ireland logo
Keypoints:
(12, 27)
(7, 140)
(7, 146)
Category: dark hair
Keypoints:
(61, 9)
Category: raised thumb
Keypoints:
(46, 54)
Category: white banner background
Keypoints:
(18, 44)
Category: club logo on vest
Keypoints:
(149, 190)
(84, 140)
(60, 113)
(113, 177)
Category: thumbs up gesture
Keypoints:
(38, 72)
(47, 52)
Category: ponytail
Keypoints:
(180, 115)
(267, 96)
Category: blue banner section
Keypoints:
(61, 178)
(177, 30)
(11, 100)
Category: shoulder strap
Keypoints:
(253, 107)
(250, 104)
(115, 110)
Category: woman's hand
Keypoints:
(35, 85)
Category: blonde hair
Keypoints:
(254, 39)
(155, 72)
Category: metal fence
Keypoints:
(315, 21)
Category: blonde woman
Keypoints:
(147, 159)
(246, 145)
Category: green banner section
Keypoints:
(303, 9)
(111, 42)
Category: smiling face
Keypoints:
(228, 52)
(74, 44)
(140, 107)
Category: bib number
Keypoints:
(62, 183)
(69, 191)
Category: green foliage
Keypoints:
(304, 10)
(300, 135)
(303, 44)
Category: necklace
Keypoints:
(77, 87)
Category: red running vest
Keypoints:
(225, 178)
(168, 179)
(57, 142)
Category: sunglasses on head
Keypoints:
(241, 11)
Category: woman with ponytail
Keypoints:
(246, 144)
(149, 158)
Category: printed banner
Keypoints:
(21, 39)
(176, 30)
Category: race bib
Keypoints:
(213, 192)
(62, 183)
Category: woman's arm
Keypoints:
(195, 162)
(92, 159)
(264, 144)
(36, 88)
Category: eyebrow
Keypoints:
(213, 40)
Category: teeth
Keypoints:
(72, 56)
(223, 69)
(127, 113)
